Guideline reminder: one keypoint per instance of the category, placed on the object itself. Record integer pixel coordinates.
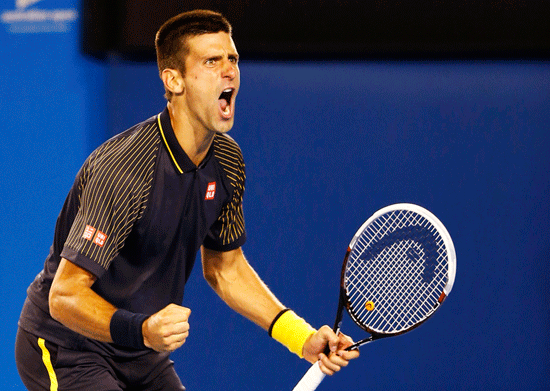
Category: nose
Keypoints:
(230, 70)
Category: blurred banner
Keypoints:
(27, 16)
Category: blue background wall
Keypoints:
(326, 144)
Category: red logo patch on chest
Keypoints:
(210, 191)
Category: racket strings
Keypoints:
(399, 264)
(396, 298)
(412, 302)
(396, 294)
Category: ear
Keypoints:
(173, 81)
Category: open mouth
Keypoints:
(225, 101)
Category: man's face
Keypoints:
(211, 81)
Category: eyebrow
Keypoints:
(218, 57)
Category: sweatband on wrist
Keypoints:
(291, 331)
(126, 329)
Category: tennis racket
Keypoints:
(398, 269)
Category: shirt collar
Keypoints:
(180, 159)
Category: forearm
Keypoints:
(74, 304)
(241, 288)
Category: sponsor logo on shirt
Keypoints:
(95, 236)
(100, 238)
(210, 191)
(89, 232)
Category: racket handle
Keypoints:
(311, 379)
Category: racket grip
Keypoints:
(312, 378)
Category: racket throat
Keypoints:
(365, 341)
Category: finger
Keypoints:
(173, 340)
(328, 365)
(344, 341)
(177, 312)
(348, 354)
(176, 341)
(330, 337)
(323, 367)
(176, 329)
(339, 360)
(186, 312)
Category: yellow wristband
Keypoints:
(291, 331)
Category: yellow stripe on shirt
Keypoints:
(167, 146)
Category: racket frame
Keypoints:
(343, 300)
(314, 376)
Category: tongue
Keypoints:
(223, 104)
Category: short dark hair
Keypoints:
(171, 39)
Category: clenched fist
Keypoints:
(168, 329)
(338, 357)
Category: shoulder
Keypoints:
(140, 136)
(129, 144)
(125, 157)
(229, 155)
(225, 146)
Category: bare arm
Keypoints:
(234, 280)
(74, 304)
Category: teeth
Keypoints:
(226, 94)
(225, 98)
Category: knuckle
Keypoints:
(325, 328)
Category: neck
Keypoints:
(194, 140)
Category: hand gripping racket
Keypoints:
(398, 269)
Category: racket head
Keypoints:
(400, 266)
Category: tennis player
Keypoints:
(104, 313)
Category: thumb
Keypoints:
(330, 337)
(333, 343)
